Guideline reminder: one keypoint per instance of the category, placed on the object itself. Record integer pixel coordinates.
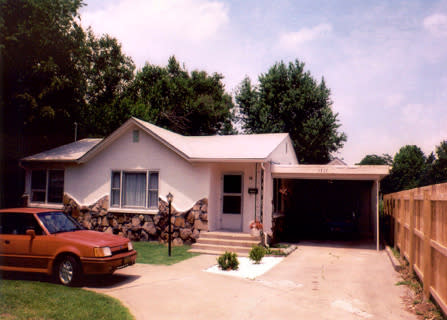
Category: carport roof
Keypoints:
(330, 172)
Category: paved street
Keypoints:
(317, 281)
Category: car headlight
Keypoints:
(102, 252)
(129, 246)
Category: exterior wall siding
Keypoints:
(187, 182)
(284, 153)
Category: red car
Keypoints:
(49, 241)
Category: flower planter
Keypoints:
(255, 232)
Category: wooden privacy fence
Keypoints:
(420, 233)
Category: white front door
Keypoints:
(231, 214)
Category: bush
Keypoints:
(228, 261)
(257, 253)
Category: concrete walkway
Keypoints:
(314, 282)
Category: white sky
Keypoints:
(384, 61)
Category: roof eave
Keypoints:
(258, 160)
(331, 172)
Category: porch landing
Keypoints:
(217, 242)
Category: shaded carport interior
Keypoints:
(307, 198)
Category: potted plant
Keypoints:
(255, 227)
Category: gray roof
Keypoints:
(68, 152)
(193, 148)
(241, 146)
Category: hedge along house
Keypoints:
(218, 182)
(119, 183)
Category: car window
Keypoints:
(58, 221)
(18, 223)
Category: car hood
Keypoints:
(93, 238)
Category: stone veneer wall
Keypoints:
(186, 226)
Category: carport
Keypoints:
(320, 201)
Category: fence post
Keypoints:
(394, 204)
(426, 211)
(401, 225)
(411, 233)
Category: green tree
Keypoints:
(43, 88)
(438, 172)
(42, 85)
(109, 71)
(188, 103)
(53, 74)
(374, 159)
(288, 99)
(408, 168)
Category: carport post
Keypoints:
(377, 186)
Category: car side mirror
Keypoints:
(31, 233)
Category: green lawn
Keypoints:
(40, 300)
(156, 253)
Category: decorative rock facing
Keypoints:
(186, 226)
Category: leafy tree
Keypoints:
(438, 170)
(374, 159)
(53, 74)
(188, 103)
(43, 87)
(109, 72)
(408, 167)
(288, 99)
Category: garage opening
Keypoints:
(306, 209)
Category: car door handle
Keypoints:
(7, 241)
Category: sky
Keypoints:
(384, 61)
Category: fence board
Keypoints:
(420, 233)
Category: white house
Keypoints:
(240, 176)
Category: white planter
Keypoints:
(255, 232)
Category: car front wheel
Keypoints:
(68, 271)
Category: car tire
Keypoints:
(68, 271)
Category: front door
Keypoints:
(231, 217)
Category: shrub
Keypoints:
(228, 261)
(257, 253)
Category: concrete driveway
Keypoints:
(317, 281)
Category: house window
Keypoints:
(47, 186)
(153, 190)
(232, 194)
(116, 189)
(131, 189)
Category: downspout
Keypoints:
(261, 210)
(256, 185)
(377, 215)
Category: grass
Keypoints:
(395, 252)
(280, 245)
(275, 252)
(156, 253)
(41, 300)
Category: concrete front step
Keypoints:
(228, 235)
(229, 243)
(217, 242)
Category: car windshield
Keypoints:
(58, 221)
